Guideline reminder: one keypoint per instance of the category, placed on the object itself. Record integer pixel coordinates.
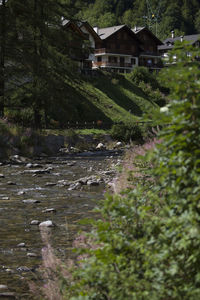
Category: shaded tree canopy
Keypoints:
(180, 15)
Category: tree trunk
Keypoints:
(2, 57)
(37, 117)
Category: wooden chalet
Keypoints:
(117, 50)
(149, 56)
(93, 38)
(81, 43)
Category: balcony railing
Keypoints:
(159, 65)
(115, 51)
(111, 64)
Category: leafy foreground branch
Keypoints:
(148, 239)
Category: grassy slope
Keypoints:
(108, 99)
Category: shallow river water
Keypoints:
(18, 183)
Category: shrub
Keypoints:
(142, 74)
(127, 133)
(146, 245)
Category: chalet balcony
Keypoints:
(158, 65)
(150, 54)
(102, 51)
(111, 65)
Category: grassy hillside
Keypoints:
(109, 98)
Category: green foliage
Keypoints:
(126, 133)
(146, 245)
(139, 74)
(149, 84)
(180, 15)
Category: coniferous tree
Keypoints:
(43, 62)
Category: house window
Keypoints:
(133, 61)
(99, 58)
(112, 59)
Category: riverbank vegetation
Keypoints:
(146, 243)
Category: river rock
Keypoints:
(21, 245)
(50, 184)
(93, 182)
(3, 287)
(8, 270)
(2, 176)
(21, 193)
(23, 269)
(30, 254)
(63, 183)
(49, 210)
(11, 183)
(36, 172)
(47, 223)
(118, 145)
(35, 222)
(30, 201)
(30, 165)
(5, 198)
(71, 164)
(100, 146)
(8, 295)
(83, 180)
(18, 159)
(74, 186)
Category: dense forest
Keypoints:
(162, 16)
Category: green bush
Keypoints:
(142, 74)
(146, 244)
(126, 133)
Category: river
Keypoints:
(53, 184)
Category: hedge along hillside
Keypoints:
(149, 238)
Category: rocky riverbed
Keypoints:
(56, 192)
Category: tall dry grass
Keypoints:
(132, 166)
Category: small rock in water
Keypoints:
(118, 145)
(63, 182)
(35, 222)
(5, 198)
(21, 193)
(49, 210)
(3, 287)
(11, 183)
(50, 184)
(92, 183)
(29, 165)
(100, 146)
(9, 270)
(2, 176)
(21, 245)
(71, 164)
(7, 295)
(23, 269)
(30, 254)
(74, 186)
(47, 223)
(30, 201)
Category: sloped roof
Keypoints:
(137, 30)
(189, 38)
(169, 42)
(89, 27)
(104, 33)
